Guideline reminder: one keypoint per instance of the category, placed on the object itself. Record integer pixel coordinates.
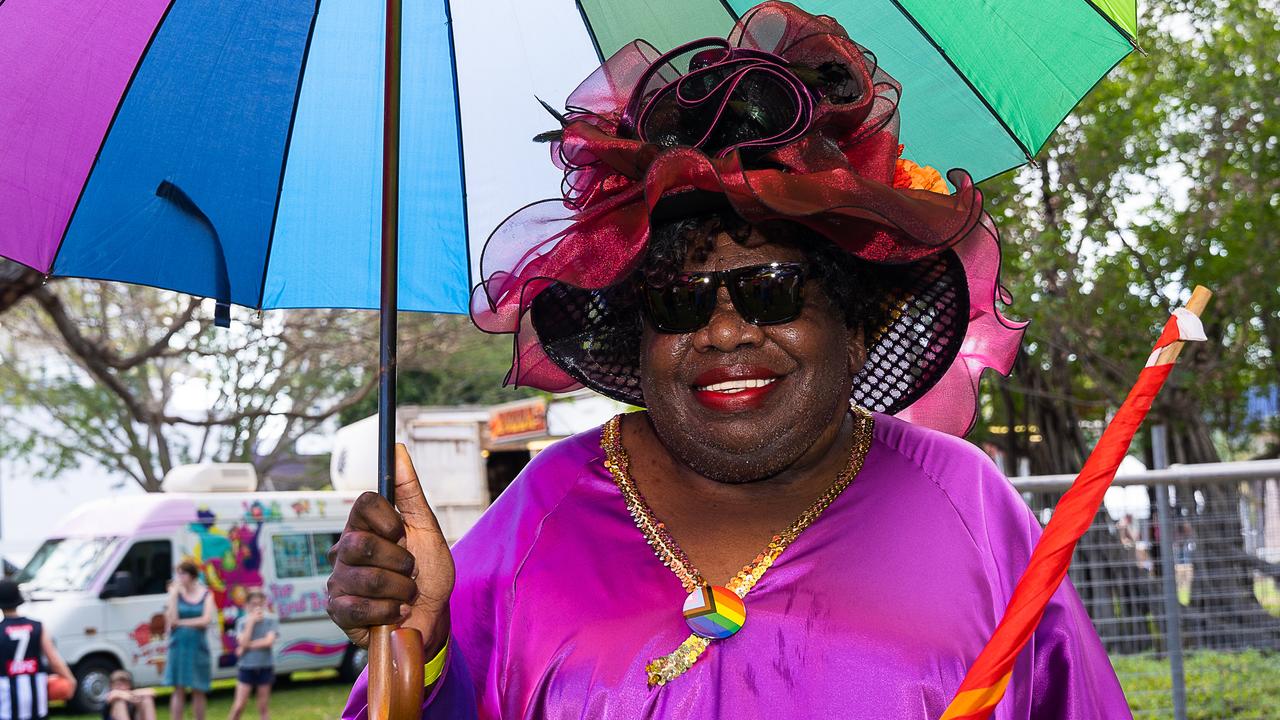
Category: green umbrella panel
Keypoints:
(985, 83)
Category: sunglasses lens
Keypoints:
(769, 295)
(682, 306)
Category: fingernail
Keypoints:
(404, 611)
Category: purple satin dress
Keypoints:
(874, 612)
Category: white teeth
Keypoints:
(734, 386)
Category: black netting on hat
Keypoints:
(928, 315)
(594, 335)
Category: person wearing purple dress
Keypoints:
(791, 528)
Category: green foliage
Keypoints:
(459, 366)
(1219, 685)
(1166, 176)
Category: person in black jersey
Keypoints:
(26, 656)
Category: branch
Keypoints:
(88, 353)
(157, 349)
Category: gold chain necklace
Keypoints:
(715, 613)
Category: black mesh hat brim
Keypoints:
(594, 335)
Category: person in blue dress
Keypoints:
(189, 611)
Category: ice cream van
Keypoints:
(99, 580)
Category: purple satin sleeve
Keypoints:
(874, 612)
(1073, 678)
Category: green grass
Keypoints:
(1220, 685)
(1244, 686)
(309, 696)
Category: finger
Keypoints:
(372, 513)
(350, 612)
(358, 636)
(373, 583)
(365, 549)
(410, 500)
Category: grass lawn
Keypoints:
(1219, 685)
(1240, 685)
(310, 696)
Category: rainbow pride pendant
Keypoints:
(714, 612)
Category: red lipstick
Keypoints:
(734, 388)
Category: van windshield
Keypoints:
(66, 563)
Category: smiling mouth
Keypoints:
(732, 387)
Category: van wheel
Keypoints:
(93, 682)
(353, 662)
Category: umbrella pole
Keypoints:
(395, 655)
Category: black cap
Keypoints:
(10, 595)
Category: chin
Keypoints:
(734, 449)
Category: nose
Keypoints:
(726, 331)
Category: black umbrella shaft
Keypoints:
(390, 230)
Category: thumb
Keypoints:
(410, 500)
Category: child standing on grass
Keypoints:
(255, 634)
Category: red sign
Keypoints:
(523, 419)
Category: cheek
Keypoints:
(660, 354)
(822, 347)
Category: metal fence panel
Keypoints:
(1225, 551)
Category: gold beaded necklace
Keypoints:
(703, 596)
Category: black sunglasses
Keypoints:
(762, 294)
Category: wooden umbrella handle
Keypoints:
(396, 666)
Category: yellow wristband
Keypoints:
(431, 673)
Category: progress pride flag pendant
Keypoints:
(714, 612)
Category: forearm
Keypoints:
(60, 667)
(56, 663)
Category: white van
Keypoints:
(98, 582)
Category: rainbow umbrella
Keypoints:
(240, 149)
(233, 148)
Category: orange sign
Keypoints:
(518, 420)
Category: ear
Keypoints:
(857, 350)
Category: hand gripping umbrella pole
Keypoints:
(985, 683)
(396, 655)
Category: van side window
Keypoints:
(293, 555)
(150, 562)
(302, 554)
(320, 544)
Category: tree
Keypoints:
(139, 380)
(95, 371)
(16, 281)
(444, 360)
(1166, 176)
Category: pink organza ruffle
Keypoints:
(991, 340)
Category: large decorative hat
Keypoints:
(786, 119)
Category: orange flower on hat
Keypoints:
(908, 175)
